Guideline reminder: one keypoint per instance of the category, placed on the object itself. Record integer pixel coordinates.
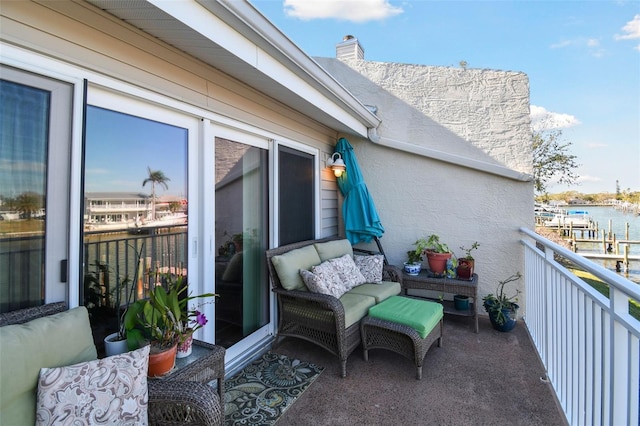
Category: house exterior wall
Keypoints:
(86, 37)
(476, 114)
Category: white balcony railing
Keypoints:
(588, 343)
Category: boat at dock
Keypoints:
(576, 219)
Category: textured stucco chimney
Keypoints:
(349, 48)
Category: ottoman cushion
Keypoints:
(421, 315)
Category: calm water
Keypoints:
(602, 215)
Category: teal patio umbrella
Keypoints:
(361, 220)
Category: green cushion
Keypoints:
(421, 315)
(288, 266)
(356, 307)
(333, 249)
(53, 341)
(380, 291)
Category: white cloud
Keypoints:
(595, 145)
(592, 42)
(560, 45)
(631, 29)
(541, 119)
(587, 178)
(344, 10)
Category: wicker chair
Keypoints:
(317, 318)
(171, 402)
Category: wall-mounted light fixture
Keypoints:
(337, 164)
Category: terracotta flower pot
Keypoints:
(437, 261)
(465, 268)
(161, 363)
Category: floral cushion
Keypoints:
(111, 391)
(370, 267)
(348, 272)
(315, 284)
(329, 277)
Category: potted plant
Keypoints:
(503, 309)
(116, 301)
(437, 254)
(413, 265)
(467, 262)
(161, 321)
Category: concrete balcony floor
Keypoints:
(490, 378)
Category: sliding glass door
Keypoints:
(241, 233)
(35, 134)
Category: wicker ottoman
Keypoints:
(394, 327)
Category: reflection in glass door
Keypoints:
(35, 128)
(135, 210)
(241, 212)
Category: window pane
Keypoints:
(241, 235)
(135, 204)
(296, 206)
(24, 128)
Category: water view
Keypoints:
(602, 216)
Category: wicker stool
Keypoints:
(400, 338)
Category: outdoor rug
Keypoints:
(266, 388)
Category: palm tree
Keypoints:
(155, 176)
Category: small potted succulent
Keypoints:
(503, 309)
(466, 263)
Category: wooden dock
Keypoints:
(611, 248)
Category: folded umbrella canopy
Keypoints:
(361, 220)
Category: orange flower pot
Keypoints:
(163, 362)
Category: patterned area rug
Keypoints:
(266, 388)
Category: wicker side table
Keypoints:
(424, 281)
(206, 363)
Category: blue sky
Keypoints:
(582, 59)
(120, 147)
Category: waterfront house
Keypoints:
(249, 120)
(252, 113)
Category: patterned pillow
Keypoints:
(328, 275)
(111, 390)
(314, 283)
(370, 267)
(349, 273)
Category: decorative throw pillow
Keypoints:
(111, 390)
(330, 278)
(349, 273)
(314, 283)
(370, 267)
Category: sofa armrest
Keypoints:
(178, 402)
(321, 301)
(392, 273)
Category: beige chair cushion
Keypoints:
(53, 341)
(288, 266)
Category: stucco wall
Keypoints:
(417, 196)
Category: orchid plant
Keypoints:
(163, 318)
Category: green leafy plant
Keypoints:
(113, 299)
(163, 318)
(433, 244)
(415, 255)
(468, 251)
(496, 304)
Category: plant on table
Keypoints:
(437, 254)
(503, 309)
(414, 257)
(115, 301)
(164, 318)
(466, 263)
